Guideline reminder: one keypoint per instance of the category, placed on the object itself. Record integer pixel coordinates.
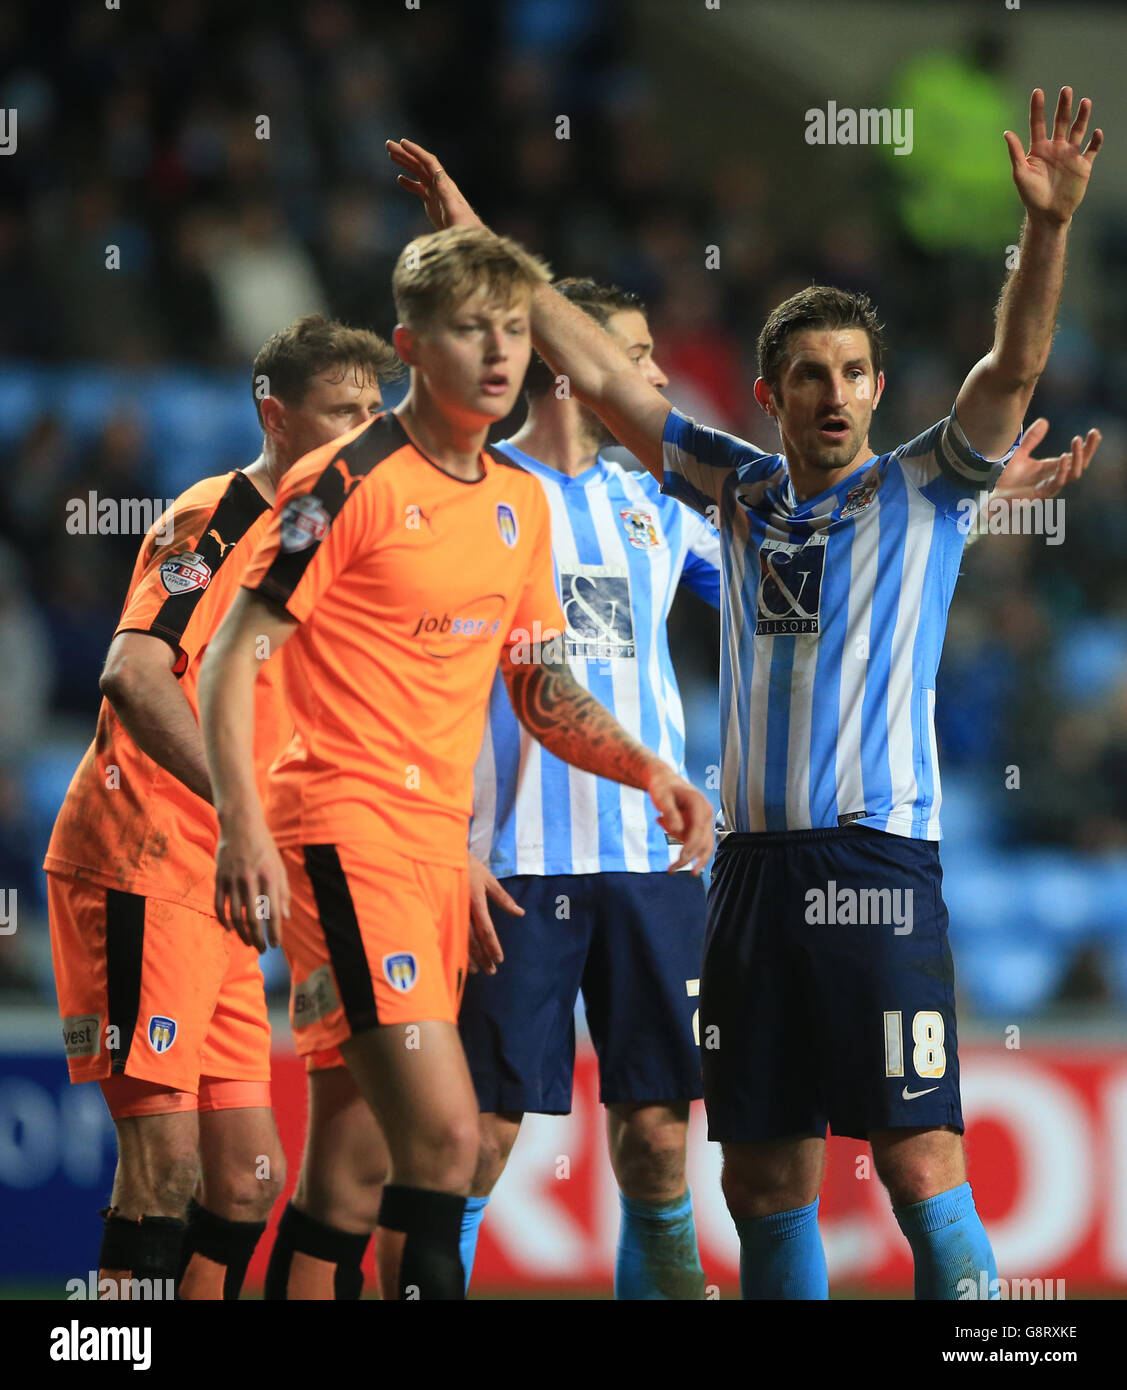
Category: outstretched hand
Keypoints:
(1053, 177)
(428, 180)
(1025, 477)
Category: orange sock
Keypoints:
(312, 1260)
(215, 1255)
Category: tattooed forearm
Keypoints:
(569, 722)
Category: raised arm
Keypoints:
(569, 722)
(248, 867)
(1051, 181)
(598, 372)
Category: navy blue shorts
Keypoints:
(827, 991)
(632, 943)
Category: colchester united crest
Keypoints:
(507, 524)
(162, 1032)
(400, 971)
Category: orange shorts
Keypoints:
(154, 990)
(128, 1097)
(372, 938)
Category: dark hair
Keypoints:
(598, 301)
(820, 306)
(290, 359)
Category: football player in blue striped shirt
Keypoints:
(827, 992)
(584, 858)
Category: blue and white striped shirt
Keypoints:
(620, 549)
(833, 616)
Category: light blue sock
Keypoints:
(657, 1251)
(781, 1256)
(467, 1246)
(950, 1246)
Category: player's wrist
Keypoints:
(1047, 222)
(657, 773)
(240, 819)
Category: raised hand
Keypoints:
(1027, 478)
(429, 181)
(1053, 177)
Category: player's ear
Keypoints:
(879, 389)
(273, 415)
(404, 340)
(764, 397)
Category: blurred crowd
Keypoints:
(230, 161)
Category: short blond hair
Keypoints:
(442, 269)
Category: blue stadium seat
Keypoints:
(1009, 978)
(980, 892)
(1060, 896)
(1018, 921)
(969, 822)
(25, 393)
(45, 777)
(90, 396)
(1116, 958)
(200, 424)
(1108, 877)
(1090, 659)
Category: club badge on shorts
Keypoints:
(507, 524)
(162, 1032)
(400, 971)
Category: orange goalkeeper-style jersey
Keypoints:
(407, 584)
(126, 823)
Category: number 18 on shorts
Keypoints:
(842, 1016)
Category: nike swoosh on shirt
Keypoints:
(913, 1095)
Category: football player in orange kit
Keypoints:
(161, 1005)
(402, 563)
